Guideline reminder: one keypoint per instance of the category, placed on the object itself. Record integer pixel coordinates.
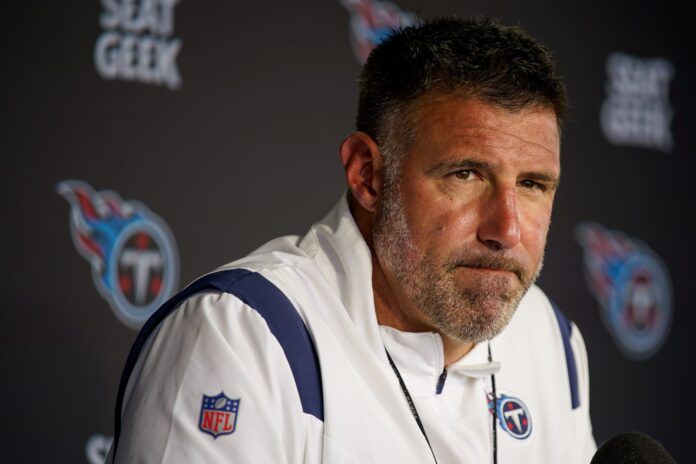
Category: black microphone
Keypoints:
(632, 448)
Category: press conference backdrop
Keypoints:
(145, 142)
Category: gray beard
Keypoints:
(432, 288)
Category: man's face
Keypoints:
(461, 230)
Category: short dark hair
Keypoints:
(479, 58)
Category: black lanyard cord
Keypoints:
(495, 410)
(411, 404)
(416, 416)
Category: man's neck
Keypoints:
(454, 349)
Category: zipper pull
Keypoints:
(441, 381)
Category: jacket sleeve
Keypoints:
(214, 344)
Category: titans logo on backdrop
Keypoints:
(632, 286)
(133, 255)
(371, 22)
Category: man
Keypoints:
(405, 326)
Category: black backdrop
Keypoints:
(245, 149)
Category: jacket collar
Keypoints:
(346, 261)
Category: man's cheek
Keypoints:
(535, 225)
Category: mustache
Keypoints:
(493, 262)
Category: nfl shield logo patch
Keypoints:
(218, 415)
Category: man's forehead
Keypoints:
(445, 124)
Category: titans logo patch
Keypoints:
(513, 415)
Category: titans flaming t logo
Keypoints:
(632, 285)
(133, 256)
(513, 415)
(372, 21)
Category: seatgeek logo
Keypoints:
(371, 22)
(632, 286)
(137, 42)
(132, 253)
(637, 111)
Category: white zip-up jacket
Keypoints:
(278, 358)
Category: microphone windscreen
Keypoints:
(632, 448)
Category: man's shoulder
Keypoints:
(541, 338)
(537, 310)
(534, 307)
(283, 251)
(250, 288)
(539, 330)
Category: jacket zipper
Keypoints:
(441, 381)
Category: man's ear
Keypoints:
(363, 164)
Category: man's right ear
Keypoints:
(363, 164)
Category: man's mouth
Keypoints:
(495, 270)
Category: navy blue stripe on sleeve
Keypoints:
(280, 315)
(291, 332)
(566, 329)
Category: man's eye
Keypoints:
(533, 185)
(465, 174)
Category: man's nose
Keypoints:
(499, 228)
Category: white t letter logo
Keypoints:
(141, 262)
(515, 415)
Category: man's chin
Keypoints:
(485, 317)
